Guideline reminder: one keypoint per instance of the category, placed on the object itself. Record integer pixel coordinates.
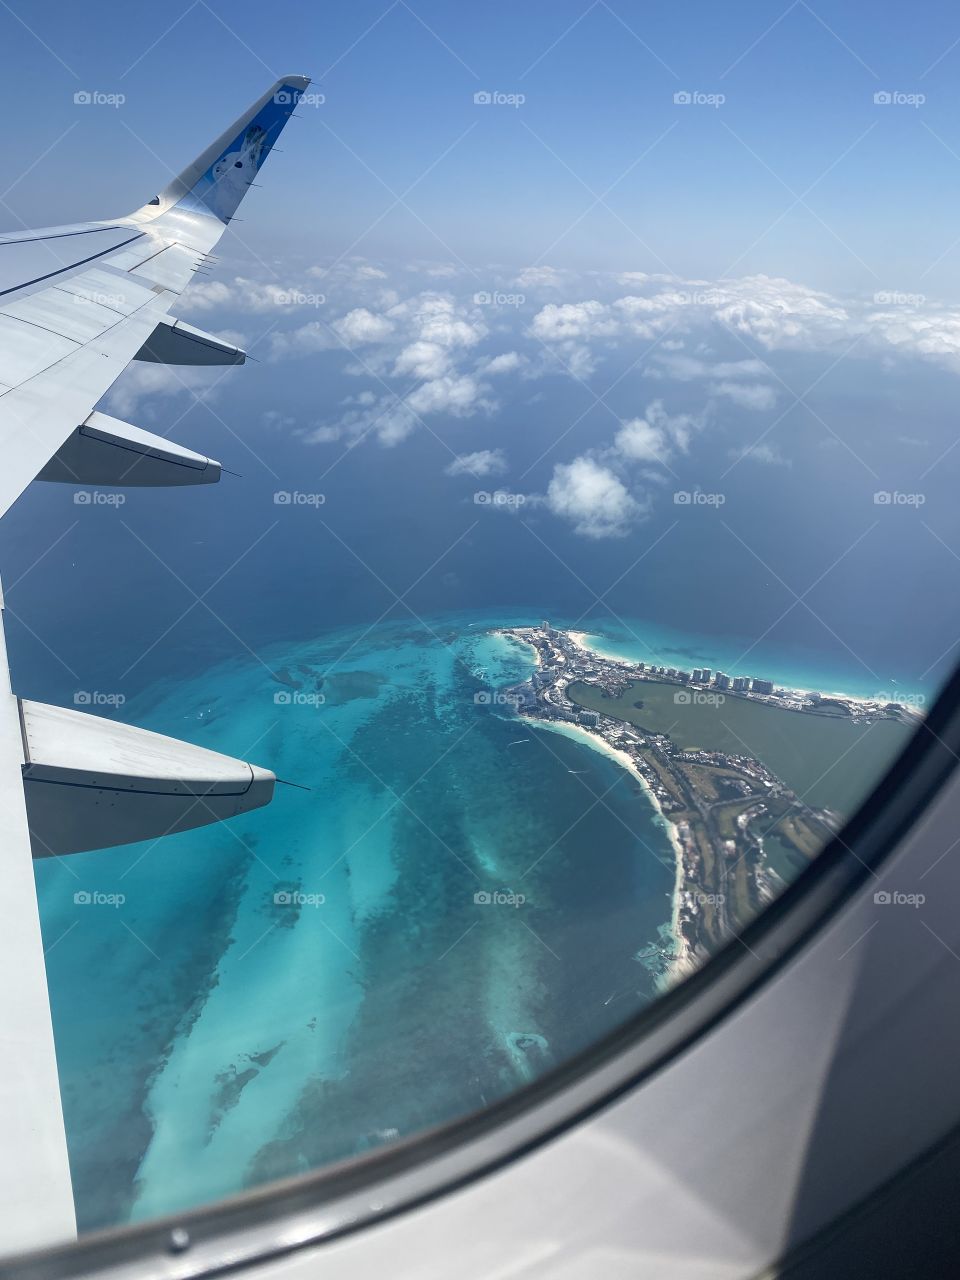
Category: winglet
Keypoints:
(219, 178)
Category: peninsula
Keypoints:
(739, 829)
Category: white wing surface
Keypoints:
(77, 304)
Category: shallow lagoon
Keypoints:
(830, 761)
(318, 977)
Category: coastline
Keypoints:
(715, 798)
(683, 961)
(502, 633)
(913, 705)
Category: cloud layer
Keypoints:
(433, 345)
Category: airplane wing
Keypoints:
(77, 304)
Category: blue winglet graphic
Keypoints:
(220, 177)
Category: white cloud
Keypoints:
(366, 272)
(392, 418)
(734, 379)
(768, 312)
(417, 337)
(774, 313)
(247, 295)
(686, 368)
(351, 271)
(634, 278)
(430, 350)
(485, 462)
(593, 498)
(422, 339)
(449, 394)
(561, 322)
(761, 452)
(657, 436)
(274, 420)
(323, 435)
(391, 421)
(592, 491)
(142, 381)
(208, 294)
(579, 361)
(421, 360)
(540, 278)
(748, 396)
(507, 362)
(307, 340)
(439, 318)
(778, 313)
(927, 329)
(361, 326)
(640, 441)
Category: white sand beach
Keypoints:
(683, 960)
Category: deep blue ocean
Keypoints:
(211, 1036)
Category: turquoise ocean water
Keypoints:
(320, 976)
(640, 641)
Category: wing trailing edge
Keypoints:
(92, 783)
(105, 451)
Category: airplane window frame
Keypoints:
(280, 1218)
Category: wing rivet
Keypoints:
(179, 1240)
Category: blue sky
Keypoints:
(592, 300)
(712, 193)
